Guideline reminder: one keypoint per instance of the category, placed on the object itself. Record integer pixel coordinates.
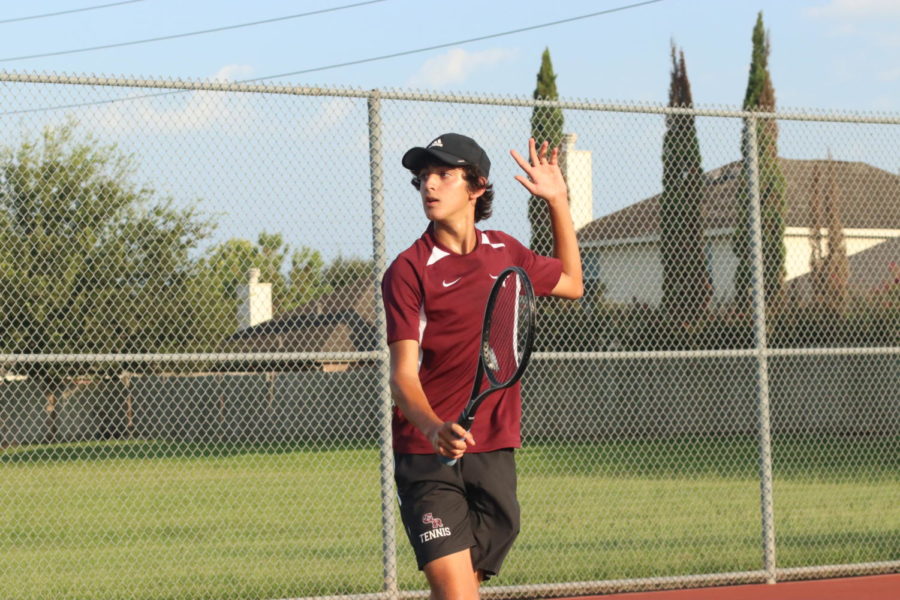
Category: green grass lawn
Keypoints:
(153, 520)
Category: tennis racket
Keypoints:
(507, 337)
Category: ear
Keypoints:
(477, 193)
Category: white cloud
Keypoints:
(331, 115)
(232, 72)
(456, 66)
(856, 9)
(187, 111)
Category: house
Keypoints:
(340, 321)
(621, 250)
(874, 269)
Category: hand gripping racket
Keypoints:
(507, 337)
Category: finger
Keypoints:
(458, 430)
(455, 447)
(463, 435)
(448, 447)
(554, 156)
(463, 440)
(543, 152)
(449, 435)
(532, 152)
(526, 183)
(520, 160)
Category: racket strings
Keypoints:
(506, 342)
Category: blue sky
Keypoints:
(842, 54)
(829, 54)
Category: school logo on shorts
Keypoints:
(437, 528)
(435, 523)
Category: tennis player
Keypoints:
(462, 520)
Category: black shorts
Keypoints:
(469, 505)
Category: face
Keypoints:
(445, 193)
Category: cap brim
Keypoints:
(415, 158)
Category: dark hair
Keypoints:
(473, 176)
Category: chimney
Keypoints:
(576, 168)
(256, 301)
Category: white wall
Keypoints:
(578, 171)
(627, 272)
(799, 247)
(632, 269)
(255, 301)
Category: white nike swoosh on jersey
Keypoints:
(493, 276)
(445, 284)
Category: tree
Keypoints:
(343, 272)
(226, 266)
(546, 125)
(760, 96)
(686, 286)
(828, 261)
(90, 262)
(305, 280)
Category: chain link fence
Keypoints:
(193, 401)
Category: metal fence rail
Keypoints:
(193, 372)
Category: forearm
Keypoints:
(408, 395)
(565, 248)
(545, 180)
(447, 438)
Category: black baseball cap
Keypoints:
(452, 149)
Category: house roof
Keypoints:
(340, 321)
(869, 199)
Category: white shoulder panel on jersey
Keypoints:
(436, 255)
(485, 240)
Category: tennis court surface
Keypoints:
(877, 587)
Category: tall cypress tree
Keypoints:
(546, 125)
(760, 96)
(686, 285)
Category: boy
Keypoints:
(462, 520)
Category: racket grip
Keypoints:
(447, 461)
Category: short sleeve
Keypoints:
(544, 271)
(401, 292)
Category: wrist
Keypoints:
(556, 202)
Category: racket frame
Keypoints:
(467, 416)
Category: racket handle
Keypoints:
(447, 461)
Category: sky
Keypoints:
(841, 54)
(836, 55)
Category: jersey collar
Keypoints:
(431, 240)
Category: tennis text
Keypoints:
(434, 534)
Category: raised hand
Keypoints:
(543, 177)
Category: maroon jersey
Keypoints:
(437, 298)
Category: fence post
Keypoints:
(760, 342)
(379, 255)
